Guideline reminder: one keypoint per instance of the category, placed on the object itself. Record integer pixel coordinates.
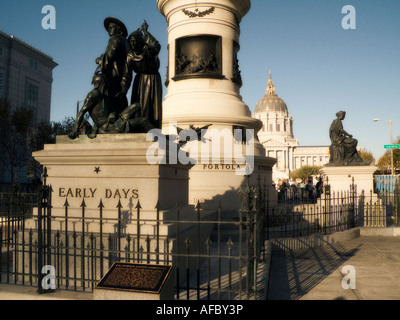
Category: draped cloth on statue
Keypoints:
(147, 90)
(147, 85)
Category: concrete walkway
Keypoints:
(309, 274)
(317, 273)
(15, 292)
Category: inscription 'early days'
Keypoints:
(93, 192)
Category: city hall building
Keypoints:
(278, 139)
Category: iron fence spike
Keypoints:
(83, 205)
(119, 205)
(198, 206)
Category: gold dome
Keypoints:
(271, 101)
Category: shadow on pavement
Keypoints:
(295, 272)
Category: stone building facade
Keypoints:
(277, 136)
(26, 76)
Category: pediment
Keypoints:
(275, 143)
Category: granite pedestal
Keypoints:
(341, 178)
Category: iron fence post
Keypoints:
(198, 208)
(42, 206)
(66, 205)
(83, 206)
(48, 221)
(119, 207)
(327, 208)
(138, 207)
(40, 244)
(101, 206)
(255, 238)
(157, 207)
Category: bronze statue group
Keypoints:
(107, 103)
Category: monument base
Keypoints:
(213, 184)
(113, 170)
(107, 193)
(341, 178)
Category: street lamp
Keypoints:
(77, 106)
(391, 141)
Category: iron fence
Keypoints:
(215, 254)
(214, 257)
(16, 203)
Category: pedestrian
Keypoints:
(319, 187)
(310, 189)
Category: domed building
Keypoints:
(278, 139)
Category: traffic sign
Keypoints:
(392, 146)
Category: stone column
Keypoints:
(203, 75)
(204, 82)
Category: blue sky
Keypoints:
(318, 67)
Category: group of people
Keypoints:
(299, 190)
(107, 103)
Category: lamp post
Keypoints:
(77, 106)
(391, 141)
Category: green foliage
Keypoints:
(46, 133)
(22, 119)
(366, 155)
(19, 137)
(384, 162)
(305, 172)
(14, 126)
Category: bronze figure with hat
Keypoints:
(117, 22)
(107, 103)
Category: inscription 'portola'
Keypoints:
(93, 192)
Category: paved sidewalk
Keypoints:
(317, 273)
(15, 292)
(309, 274)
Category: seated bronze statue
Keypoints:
(343, 150)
